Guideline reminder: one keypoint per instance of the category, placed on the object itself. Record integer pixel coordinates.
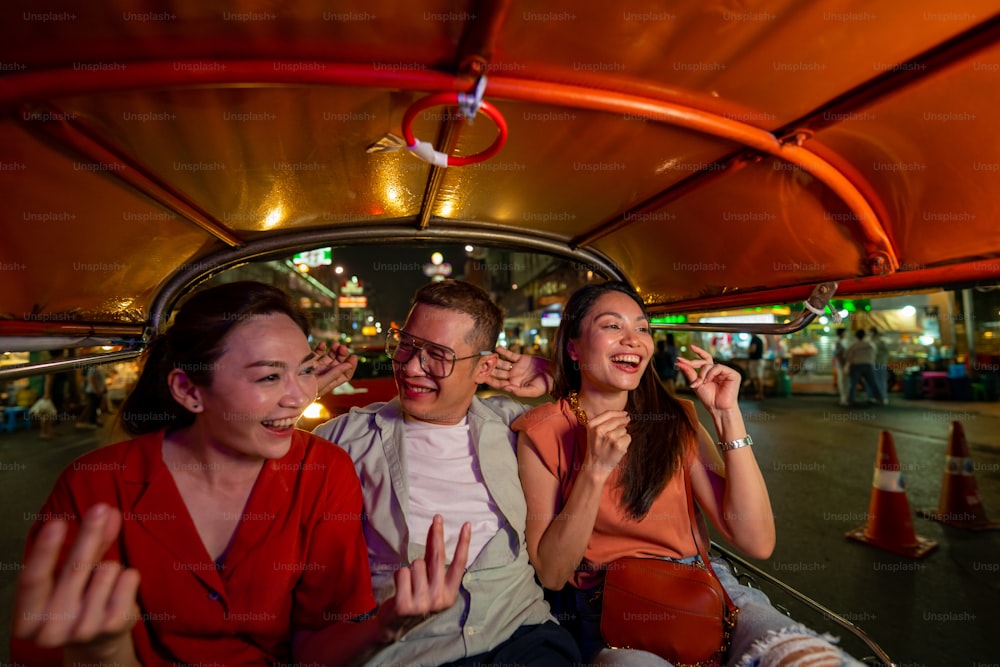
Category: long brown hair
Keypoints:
(658, 424)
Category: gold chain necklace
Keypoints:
(574, 405)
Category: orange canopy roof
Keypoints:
(711, 157)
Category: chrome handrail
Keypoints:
(805, 599)
(816, 303)
(17, 371)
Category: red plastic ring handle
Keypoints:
(440, 99)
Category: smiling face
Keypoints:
(441, 400)
(614, 346)
(260, 385)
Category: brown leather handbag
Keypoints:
(679, 612)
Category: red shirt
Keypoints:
(297, 559)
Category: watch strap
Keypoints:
(730, 445)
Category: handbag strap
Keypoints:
(730, 606)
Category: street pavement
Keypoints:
(818, 460)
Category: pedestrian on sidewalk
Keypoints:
(881, 363)
(755, 355)
(664, 360)
(861, 362)
(93, 390)
(840, 363)
(56, 391)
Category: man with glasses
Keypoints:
(439, 450)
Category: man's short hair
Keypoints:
(473, 301)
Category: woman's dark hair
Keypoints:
(193, 343)
(659, 425)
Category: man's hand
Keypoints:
(426, 586)
(523, 375)
(334, 366)
(89, 606)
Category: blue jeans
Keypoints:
(882, 379)
(865, 372)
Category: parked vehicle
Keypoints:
(372, 383)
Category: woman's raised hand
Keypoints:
(427, 586)
(524, 375)
(88, 604)
(607, 441)
(334, 366)
(716, 386)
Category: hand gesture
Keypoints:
(523, 375)
(607, 441)
(89, 605)
(426, 586)
(334, 367)
(716, 386)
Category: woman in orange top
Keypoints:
(602, 472)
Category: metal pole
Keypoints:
(71, 363)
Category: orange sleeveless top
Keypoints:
(560, 441)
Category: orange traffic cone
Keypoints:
(960, 504)
(890, 525)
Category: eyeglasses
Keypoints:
(436, 360)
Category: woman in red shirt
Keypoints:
(220, 534)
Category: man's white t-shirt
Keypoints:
(444, 478)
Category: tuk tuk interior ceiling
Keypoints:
(717, 153)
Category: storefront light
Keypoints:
(843, 314)
(823, 319)
(316, 411)
(908, 310)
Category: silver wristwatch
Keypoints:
(735, 444)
